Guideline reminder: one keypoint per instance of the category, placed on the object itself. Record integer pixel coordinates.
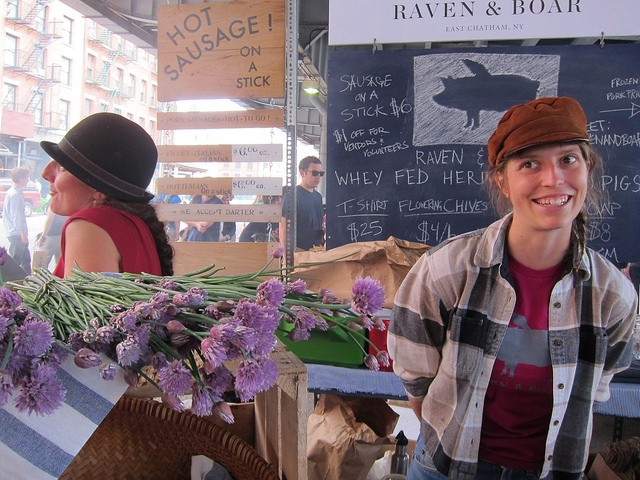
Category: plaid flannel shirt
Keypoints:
(449, 319)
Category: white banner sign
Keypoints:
(384, 21)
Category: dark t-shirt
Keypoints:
(258, 232)
(211, 234)
(308, 217)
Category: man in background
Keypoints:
(309, 209)
(15, 221)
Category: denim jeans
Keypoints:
(422, 468)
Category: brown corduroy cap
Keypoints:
(543, 120)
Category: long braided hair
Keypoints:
(148, 214)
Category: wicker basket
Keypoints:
(143, 439)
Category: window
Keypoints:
(141, 121)
(40, 22)
(37, 108)
(154, 94)
(91, 68)
(67, 29)
(65, 71)
(143, 91)
(12, 9)
(117, 110)
(88, 107)
(39, 62)
(120, 79)
(131, 88)
(11, 51)
(65, 107)
(9, 95)
(104, 107)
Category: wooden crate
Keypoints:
(236, 258)
(281, 417)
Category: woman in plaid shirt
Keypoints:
(504, 337)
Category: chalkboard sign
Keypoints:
(407, 134)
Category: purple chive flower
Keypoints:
(128, 351)
(116, 308)
(194, 297)
(371, 362)
(383, 358)
(366, 322)
(6, 387)
(142, 309)
(255, 376)
(160, 300)
(244, 338)
(212, 311)
(131, 377)
(6, 319)
(108, 371)
(223, 411)
(75, 341)
(175, 326)
(297, 334)
(4, 256)
(201, 401)
(125, 321)
(41, 393)
(173, 402)
(33, 337)
(270, 293)
(174, 378)
(214, 352)
(170, 285)
(218, 380)
(225, 306)
(9, 298)
(296, 287)
(263, 319)
(86, 358)
(368, 296)
(278, 252)
(105, 334)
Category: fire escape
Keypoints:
(30, 63)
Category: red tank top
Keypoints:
(130, 234)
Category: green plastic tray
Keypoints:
(331, 347)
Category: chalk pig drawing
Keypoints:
(484, 91)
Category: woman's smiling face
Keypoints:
(546, 185)
(68, 193)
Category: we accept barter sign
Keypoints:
(221, 50)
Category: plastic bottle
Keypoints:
(400, 458)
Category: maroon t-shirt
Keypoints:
(130, 234)
(519, 398)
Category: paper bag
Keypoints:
(387, 261)
(346, 435)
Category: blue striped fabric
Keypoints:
(41, 447)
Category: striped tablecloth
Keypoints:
(41, 447)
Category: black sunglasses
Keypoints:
(316, 173)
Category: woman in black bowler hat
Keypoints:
(98, 176)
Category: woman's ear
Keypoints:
(99, 197)
(501, 182)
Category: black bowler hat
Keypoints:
(109, 153)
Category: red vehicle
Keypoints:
(32, 197)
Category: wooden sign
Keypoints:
(221, 50)
(268, 152)
(218, 212)
(230, 119)
(219, 186)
